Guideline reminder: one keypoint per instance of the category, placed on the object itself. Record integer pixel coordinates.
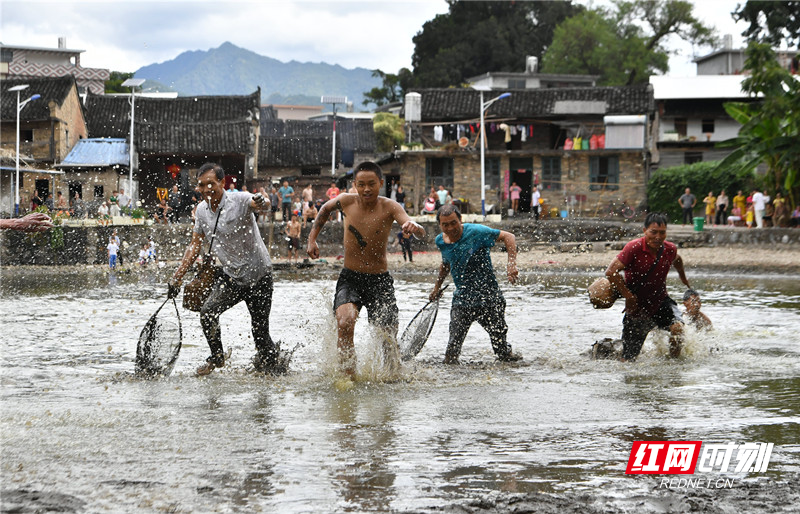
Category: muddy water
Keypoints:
(551, 434)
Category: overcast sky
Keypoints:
(124, 35)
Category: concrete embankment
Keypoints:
(87, 245)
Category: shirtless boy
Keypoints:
(364, 281)
(293, 233)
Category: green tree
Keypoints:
(624, 45)
(770, 21)
(589, 43)
(480, 37)
(392, 89)
(389, 132)
(770, 126)
(114, 82)
(667, 185)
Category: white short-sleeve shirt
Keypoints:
(238, 244)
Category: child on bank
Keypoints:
(112, 253)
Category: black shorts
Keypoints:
(373, 291)
(293, 243)
(635, 329)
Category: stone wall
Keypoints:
(87, 245)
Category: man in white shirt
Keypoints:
(535, 195)
(123, 200)
(760, 201)
(442, 194)
(246, 273)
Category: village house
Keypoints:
(95, 168)
(690, 117)
(28, 62)
(49, 128)
(175, 136)
(584, 147)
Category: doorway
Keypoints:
(521, 172)
(42, 187)
(75, 187)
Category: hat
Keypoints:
(689, 293)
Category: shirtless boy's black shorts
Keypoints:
(373, 291)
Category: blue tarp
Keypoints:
(99, 152)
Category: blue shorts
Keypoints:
(112, 261)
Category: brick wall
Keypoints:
(574, 177)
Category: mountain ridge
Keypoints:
(232, 70)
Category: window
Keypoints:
(492, 171)
(439, 172)
(692, 157)
(551, 173)
(6, 55)
(306, 172)
(516, 83)
(680, 126)
(98, 192)
(708, 126)
(26, 135)
(604, 173)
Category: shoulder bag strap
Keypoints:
(214, 233)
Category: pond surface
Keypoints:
(78, 431)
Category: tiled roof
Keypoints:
(463, 104)
(51, 89)
(293, 151)
(184, 124)
(268, 113)
(108, 116)
(299, 142)
(205, 137)
(97, 153)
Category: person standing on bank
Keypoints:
(722, 209)
(227, 219)
(535, 196)
(687, 202)
(646, 262)
(364, 280)
(465, 253)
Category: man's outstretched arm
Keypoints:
(444, 269)
(510, 241)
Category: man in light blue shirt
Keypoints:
(286, 193)
(465, 254)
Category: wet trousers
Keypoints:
(492, 317)
(224, 295)
(688, 213)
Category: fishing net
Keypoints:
(159, 343)
(416, 333)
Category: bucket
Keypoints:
(564, 214)
(698, 224)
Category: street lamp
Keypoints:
(484, 106)
(333, 100)
(20, 105)
(133, 84)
